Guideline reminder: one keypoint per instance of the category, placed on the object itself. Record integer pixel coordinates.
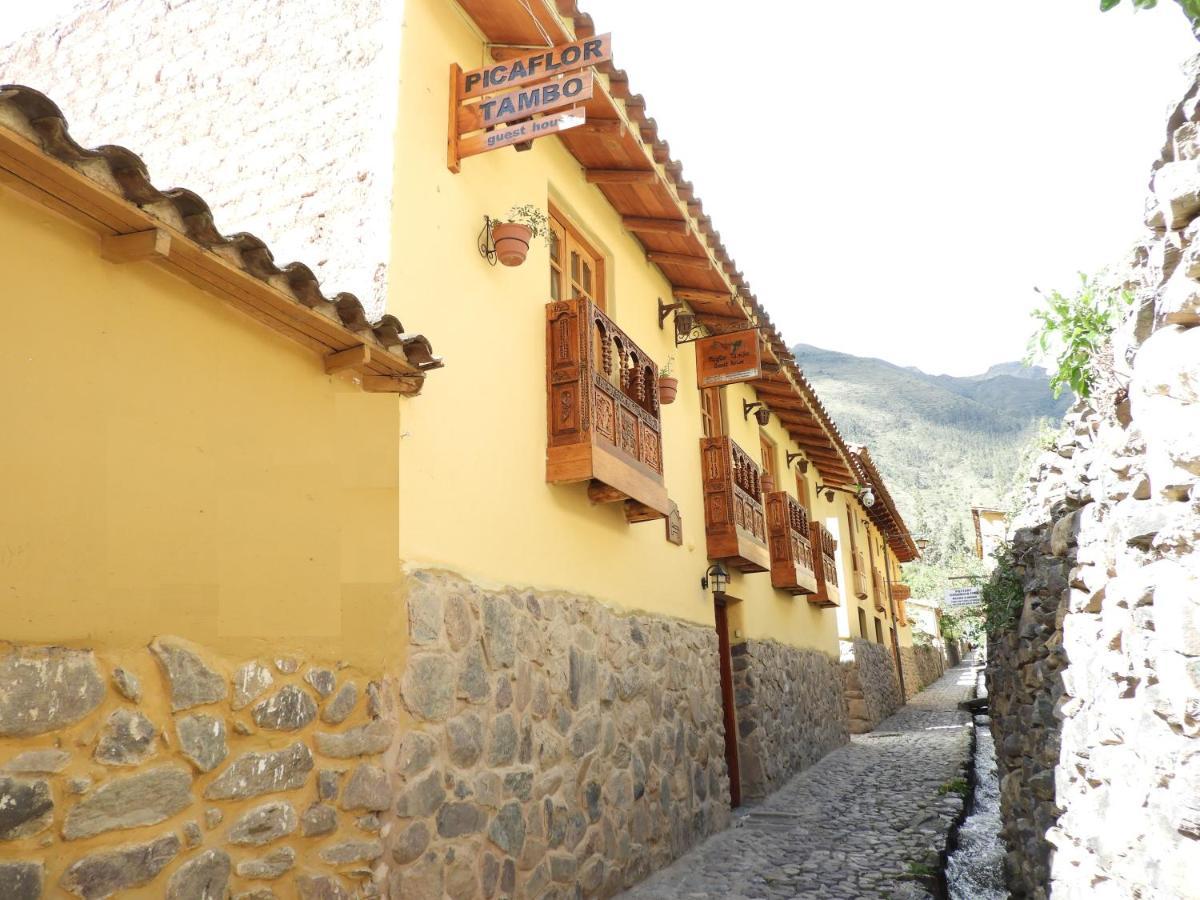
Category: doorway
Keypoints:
(727, 705)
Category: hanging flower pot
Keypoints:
(512, 242)
(668, 387)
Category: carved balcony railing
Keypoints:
(860, 575)
(602, 416)
(877, 590)
(792, 567)
(735, 524)
(824, 566)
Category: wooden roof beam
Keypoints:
(678, 259)
(647, 225)
(621, 176)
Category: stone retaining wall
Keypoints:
(177, 770)
(557, 745)
(912, 678)
(791, 712)
(930, 664)
(871, 686)
(1095, 689)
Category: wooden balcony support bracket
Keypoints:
(353, 358)
(154, 243)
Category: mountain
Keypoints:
(943, 443)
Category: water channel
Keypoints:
(975, 870)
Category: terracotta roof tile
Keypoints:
(122, 172)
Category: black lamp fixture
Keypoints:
(803, 466)
(762, 415)
(862, 491)
(717, 576)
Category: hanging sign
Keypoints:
(525, 102)
(537, 66)
(965, 596)
(536, 94)
(728, 358)
(506, 136)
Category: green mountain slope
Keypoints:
(943, 443)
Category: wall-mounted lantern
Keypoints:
(862, 491)
(762, 415)
(717, 577)
(802, 465)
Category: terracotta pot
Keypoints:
(667, 389)
(512, 242)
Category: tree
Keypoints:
(1191, 8)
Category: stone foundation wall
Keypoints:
(930, 665)
(791, 712)
(870, 682)
(185, 774)
(558, 748)
(912, 678)
(1095, 689)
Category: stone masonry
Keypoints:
(558, 748)
(233, 100)
(174, 770)
(791, 712)
(859, 823)
(871, 686)
(1095, 690)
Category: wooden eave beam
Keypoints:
(678, 259)
(648, 225)
(621, 176)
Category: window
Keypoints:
(712, 412)
(576, 270)
(862, 624)
(878, 630)
(802, 491)
(767, 448)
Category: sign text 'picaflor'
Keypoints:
(536, 94)
(728, 358)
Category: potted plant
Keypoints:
(512, 235)
(668, 384)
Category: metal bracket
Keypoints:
(665, 309)
(487, 247)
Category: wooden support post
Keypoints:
(139, 245)
(621, 176)
(655, 226)
(453, 159)
(353, 358)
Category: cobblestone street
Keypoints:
(849, 826)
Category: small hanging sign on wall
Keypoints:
(529, 91)
(728, 358)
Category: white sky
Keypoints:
(894, 178)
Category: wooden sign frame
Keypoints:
(538, 84)
(728, 358)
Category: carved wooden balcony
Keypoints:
(877, 588)
(900, 591)
(735, 524)
(824, 546)
(859, 575)
(602, 416)
(902, 612)
(792, 567)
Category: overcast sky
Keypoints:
(894, 178)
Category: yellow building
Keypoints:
(535, 630)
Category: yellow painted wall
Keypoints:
(472, 461)
(171, 466)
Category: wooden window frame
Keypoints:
(571, 238)
(712, 412)
(768, 452)
(862, 624)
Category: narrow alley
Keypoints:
(859, 823)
